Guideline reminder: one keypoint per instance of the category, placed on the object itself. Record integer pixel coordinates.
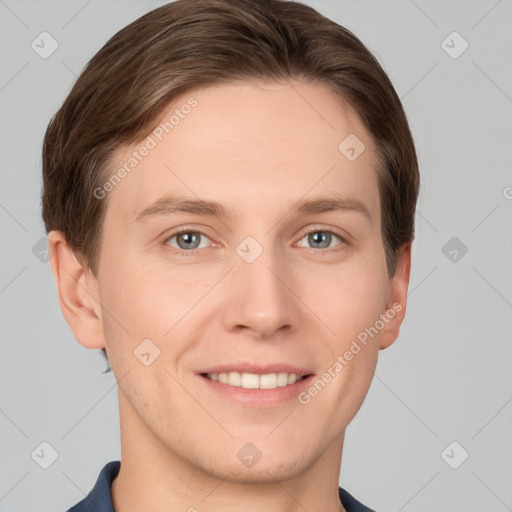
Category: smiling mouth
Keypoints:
(254, 380)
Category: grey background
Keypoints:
(447, 378)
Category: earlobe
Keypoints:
(78, 293)
(397, 300)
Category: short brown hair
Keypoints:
(125, 88)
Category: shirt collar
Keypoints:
(100, 498)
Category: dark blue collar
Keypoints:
(100, 500)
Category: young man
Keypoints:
(229, 192)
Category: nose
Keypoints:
(261, 300)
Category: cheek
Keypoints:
(152, 302)
(348, 300)
(350, 304)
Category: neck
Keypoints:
(154, 477)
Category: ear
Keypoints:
(397, 299)
(78, 293)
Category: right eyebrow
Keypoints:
(175, 204)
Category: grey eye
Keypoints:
(188, 240)
(320, 239)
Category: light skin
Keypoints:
(258, 149)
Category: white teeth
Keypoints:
(248, 380)
(235, 379)
(255, 381)
(268, 381)
(282, 379)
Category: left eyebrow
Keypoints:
(330, 204)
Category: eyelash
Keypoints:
(193, 252)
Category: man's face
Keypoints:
(260, 288)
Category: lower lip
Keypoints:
(258, 397)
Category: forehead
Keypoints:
(250, 145)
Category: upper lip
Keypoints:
(259, 369)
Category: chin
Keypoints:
(264, 471)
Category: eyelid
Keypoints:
(187, 229)
(344, 238)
